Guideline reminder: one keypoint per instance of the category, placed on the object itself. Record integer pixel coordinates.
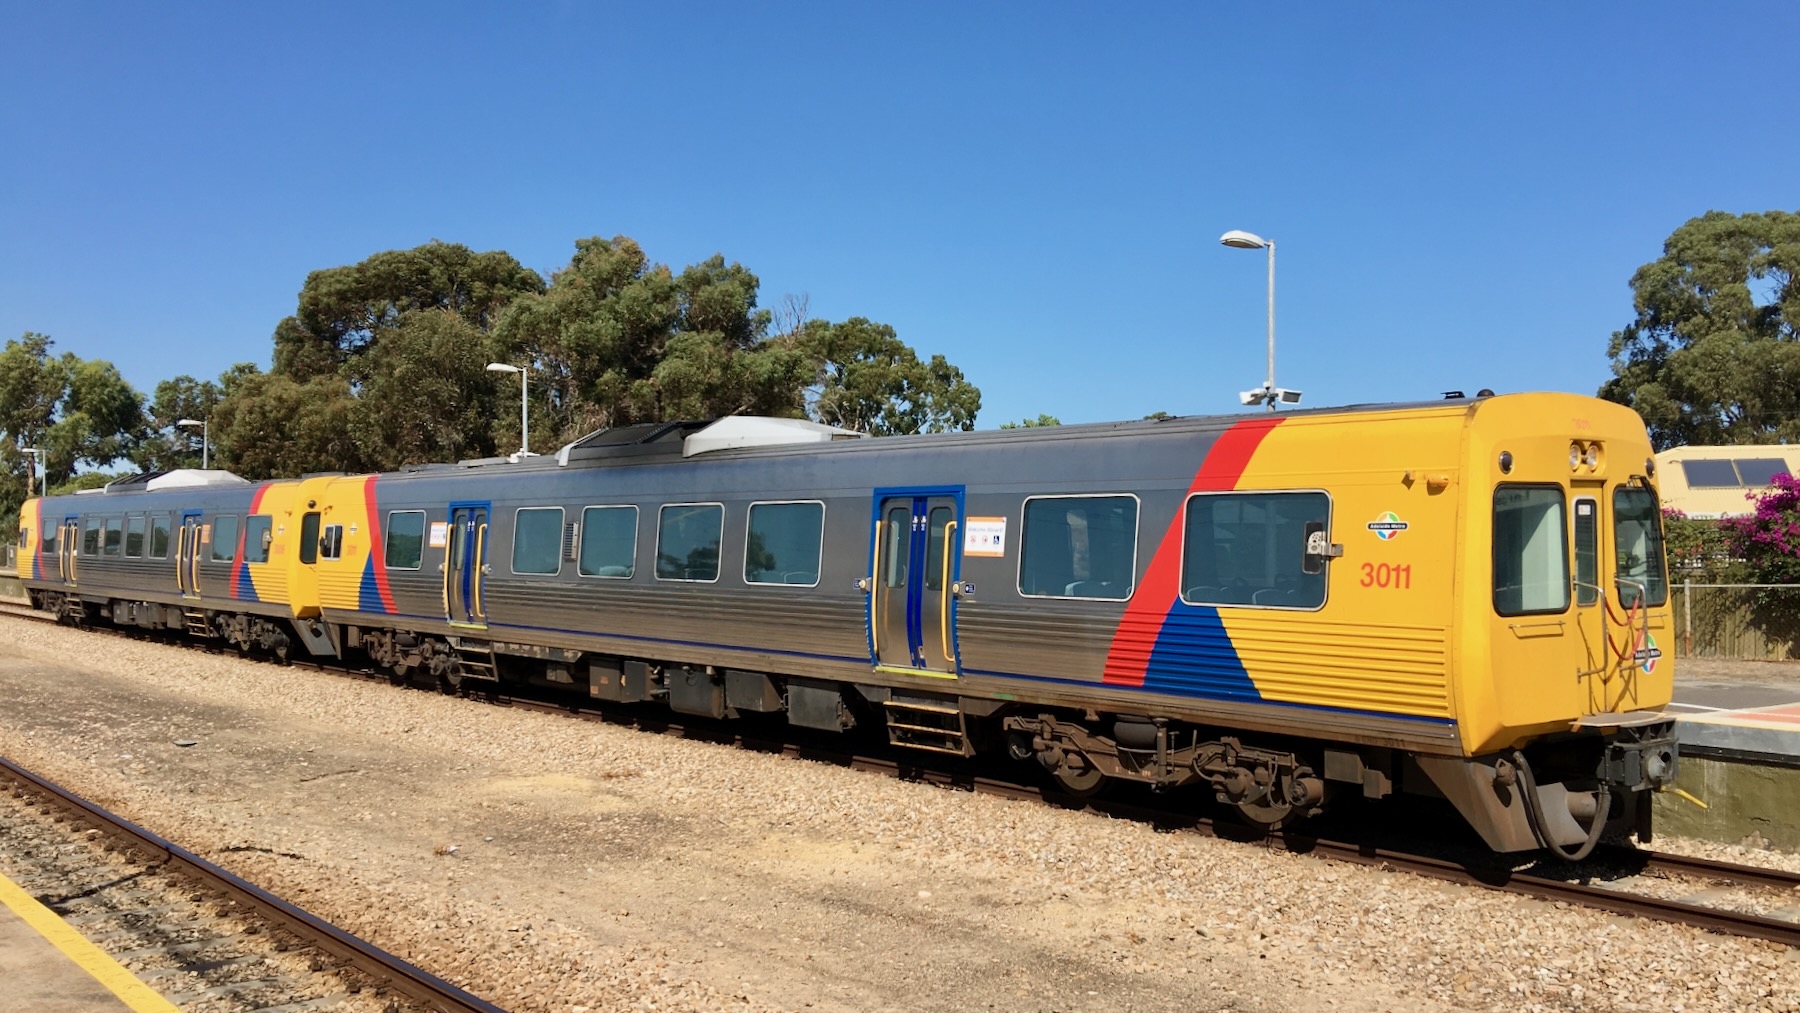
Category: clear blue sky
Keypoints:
(1459, 193)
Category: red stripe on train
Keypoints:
(1135, 636)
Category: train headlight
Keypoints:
(1592, 457)
(1574, 456)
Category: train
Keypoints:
(1462, 598)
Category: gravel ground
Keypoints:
(559, 865)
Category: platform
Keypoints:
(1739, 726)
(48, 967)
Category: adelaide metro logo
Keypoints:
(1649, 654)
(1387, 525)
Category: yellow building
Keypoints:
(1720, 481)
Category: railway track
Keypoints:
(1607, 882)
(208, 940)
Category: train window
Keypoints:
(259, 531)
(51, 528)
(309, 537)
(405, 539)
(898, 535)
(134, 536)
(331, 542)
(1637, 532)
(159, 536)
(1531, 550)
(115, 536)
(1079, 547)
(783, 543)
(90, 536)
(687, 541)
(1249, 548)
(24, 538)
(224, 538)
(1587, 551)
(537, 540)
(609, 541)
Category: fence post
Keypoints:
(1687, 607)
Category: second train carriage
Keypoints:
(1462, 598)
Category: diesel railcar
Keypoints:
(1461, 598)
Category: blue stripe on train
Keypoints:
(368, 596)
(1194, 656)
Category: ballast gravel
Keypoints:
(551, 864)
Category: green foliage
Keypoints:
(1041, 420)
(1768, 543)
(429, 396)
(345, 312)
(270, 426)
(1713, 356)
(87, 480)
(75, 410)
(1698, 549)
(865, 378)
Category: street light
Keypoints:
(191, 423)
(524, 403)
(37, 465)
(1269, 393)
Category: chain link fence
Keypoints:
(1731, 621)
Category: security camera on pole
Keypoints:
(1268, 393)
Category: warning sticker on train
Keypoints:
(986, 537)
(1387, 525)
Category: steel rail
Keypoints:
(1501, 879)
(383, 968)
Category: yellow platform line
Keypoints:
(86, 955)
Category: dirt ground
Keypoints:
(553, 864)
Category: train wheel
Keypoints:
(1083, 782)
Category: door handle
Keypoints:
(944, 594)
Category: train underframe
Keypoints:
(1560, 793)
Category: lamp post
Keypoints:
(1269, 394)
(204, 424)
(37, 465)
(524, 402)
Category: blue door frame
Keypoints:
(912, 601)
(465, 562)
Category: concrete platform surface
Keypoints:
(48, 967)
(1739, 710)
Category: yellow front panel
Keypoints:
(29, 566)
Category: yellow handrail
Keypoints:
(480, 554)
(445, 566)
(944, 594)
(194, 561)
(181, 558)
(875, 595)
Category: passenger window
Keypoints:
(898, 535)
(259, 531)
(1250, 549)
(90, 537)
(1587, 552)
(159, 536)
(1079, 547)
(405, 539)
(537, 540)
(687, 541)
(783, 543)
(331, 542)
(309, 538)
(609, 541)
(1531, 550)
(49, 539)
(224, 539)
(24, 538)
(134, 536)
(114, 536)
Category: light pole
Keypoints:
(1269, 394)
(524, 402)
(204, 424)
(37, 465)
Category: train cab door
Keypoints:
(68, 545)
(915, 561)
(465, 564)
(187, 555)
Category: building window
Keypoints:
(405, 539)
(1531, 550)
(1079, 547)
(537, 540)
(783, 543)
(687, 541)
(224, 539)
(1251, 549)
(609, 541)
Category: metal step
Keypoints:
(931, 723)
(475, 660)
(196, 623)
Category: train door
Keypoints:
(915, 561)
(68, 544)
(187, 555)
(465, 564)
